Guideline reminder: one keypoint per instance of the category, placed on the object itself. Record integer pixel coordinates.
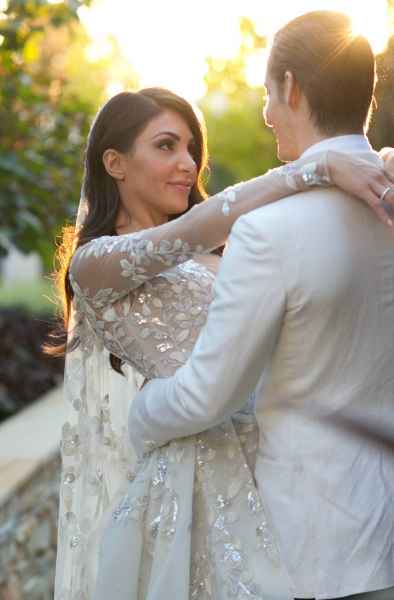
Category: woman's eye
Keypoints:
(166, 145)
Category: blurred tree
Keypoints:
(50, 89)
(240, 145)
(382, 127)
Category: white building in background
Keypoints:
(18, 267)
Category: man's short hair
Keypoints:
(334, 68)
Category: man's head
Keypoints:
(320, 81)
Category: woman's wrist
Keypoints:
(298, 176)
(331, 158)
(307, 172)
(337, 164)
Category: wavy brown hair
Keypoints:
(117, 125)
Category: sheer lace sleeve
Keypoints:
(108, 268)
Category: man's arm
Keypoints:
(238, 338)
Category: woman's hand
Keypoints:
(387, 154)
(366, 180)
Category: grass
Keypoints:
(35, 296)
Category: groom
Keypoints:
(305, 294)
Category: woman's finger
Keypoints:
(389, 174)
(385, 192)
(387, 154)
(382, 208)
(388, 201)
(374, 177)
(382, 213)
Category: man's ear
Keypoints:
(291, 91)
(113, 164)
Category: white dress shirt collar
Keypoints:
(343, 143)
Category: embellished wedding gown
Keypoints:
(185, 522)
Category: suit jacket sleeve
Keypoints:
(239, 336)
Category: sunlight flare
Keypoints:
(167, 44)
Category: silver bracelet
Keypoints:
(309, 175)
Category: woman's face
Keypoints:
(159, 171)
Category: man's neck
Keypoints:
(351, 142)
(314, 136)
(307, 141)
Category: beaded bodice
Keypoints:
(155, 327)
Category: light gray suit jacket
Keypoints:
(304, 310)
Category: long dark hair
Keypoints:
(117, 125)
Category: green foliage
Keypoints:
(240, 145)
(48, 95)
(38, 297)
(381, 132)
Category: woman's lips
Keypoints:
(183, 187)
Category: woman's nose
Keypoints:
(187, 163)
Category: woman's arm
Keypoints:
(108, 268)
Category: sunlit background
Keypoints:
(167, 42)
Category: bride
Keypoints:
(186, 522)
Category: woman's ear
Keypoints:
(113, 164)
(292, 91)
